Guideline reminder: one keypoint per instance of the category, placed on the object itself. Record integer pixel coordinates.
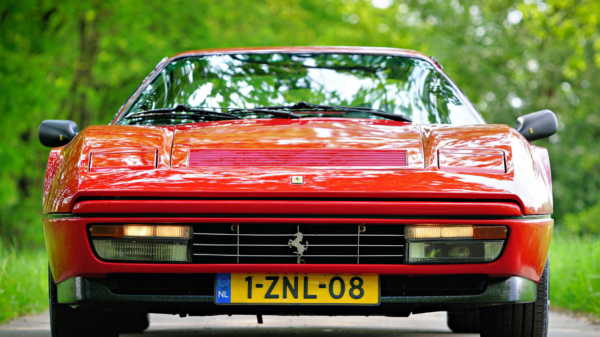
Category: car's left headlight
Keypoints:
(141, 242)
(454, 243)
(131, 160)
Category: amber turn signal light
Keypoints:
(141, 231)
(490, 232)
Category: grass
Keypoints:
(23, 282)
(575, 273)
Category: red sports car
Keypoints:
(298, 181)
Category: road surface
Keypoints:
(432, 324)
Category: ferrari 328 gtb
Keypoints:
(298, 181)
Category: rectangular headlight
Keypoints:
(137, 242)
(454, 243)
(437, 232)
(141, 231)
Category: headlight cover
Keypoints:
(454, 243)
(472, 161)
(132, 160)
(141, 242)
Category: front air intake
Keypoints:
(297, 157)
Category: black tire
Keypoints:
(520, 320)
(464, 322)
(68, 322)
(135, 322)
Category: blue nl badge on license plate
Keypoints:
(223, 288)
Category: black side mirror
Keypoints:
(537, 125)
(55, 133)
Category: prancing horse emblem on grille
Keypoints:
(297, 243)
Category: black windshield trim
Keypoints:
(303, 106)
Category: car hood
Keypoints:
(267, 143)
(336, 158)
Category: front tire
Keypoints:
(135, 322)
(68, 322)
(520, 320)
(464, 322)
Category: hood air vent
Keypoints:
(297, 157)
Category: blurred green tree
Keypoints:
(80, 60)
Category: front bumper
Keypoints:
(87, 293)
(71, 256)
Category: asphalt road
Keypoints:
(433, 324)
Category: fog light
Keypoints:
(454, 243)
(149, 243)
(125, 250)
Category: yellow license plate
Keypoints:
(312, 289)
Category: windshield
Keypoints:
(396, 85)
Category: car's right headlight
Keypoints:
(454, 243)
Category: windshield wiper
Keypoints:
(174, 112)
(316, 107)
(274, 110)
(266, 110)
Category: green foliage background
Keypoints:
(81, 60)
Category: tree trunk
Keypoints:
(83, 80)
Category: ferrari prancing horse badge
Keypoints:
(297, 180)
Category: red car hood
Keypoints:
(337, 158)
(281, 137)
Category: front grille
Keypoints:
(203, 284)
(275, 243)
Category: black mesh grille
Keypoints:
(203, 284)
(325, 244)
(161, 284)
(451, 285)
